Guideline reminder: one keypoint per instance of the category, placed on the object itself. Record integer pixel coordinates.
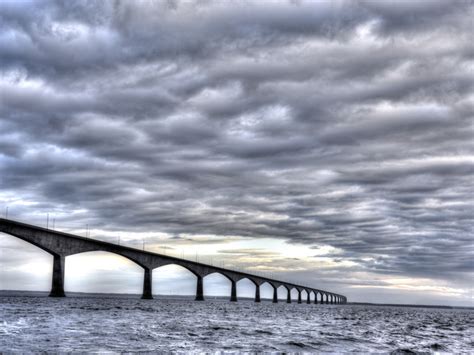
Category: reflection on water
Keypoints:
(128, 324)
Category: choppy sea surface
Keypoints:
(127, 324)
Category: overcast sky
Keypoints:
(330, 142)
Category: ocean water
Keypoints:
(122, 324)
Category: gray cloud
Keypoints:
(346, 124)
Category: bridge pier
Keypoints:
(327, 298)
(275, 295)
(299, 296)
(57, 285)
(199, 289)
(233, 292)
(288, 297)
(257, 293)
(147, 293)
(308, 297)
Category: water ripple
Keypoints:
(80, 324)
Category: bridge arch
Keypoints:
(282, 292)
(181, 265)
(28, 276)
(226, 276)
(174, 279)
(102, 272)
(30, 241)
(247, 288)
(294, 293)
(104, 250)
(217, 277)
(303, 296)
(267, 290)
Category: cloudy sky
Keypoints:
(330, 142)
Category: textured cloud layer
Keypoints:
(345, 124)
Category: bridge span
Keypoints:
(61, 245)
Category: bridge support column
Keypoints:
(57, 285)
(147, 293)
(327, 298)
(275, 295)
(288, 297)
(316, 297)
(299, 296)
(257, 293)
(233, 292)
(332, 299)
(308, 297)
(199, 289)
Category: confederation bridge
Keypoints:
(61, 245)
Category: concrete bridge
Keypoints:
(61, 245)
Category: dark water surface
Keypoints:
(116, 324)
